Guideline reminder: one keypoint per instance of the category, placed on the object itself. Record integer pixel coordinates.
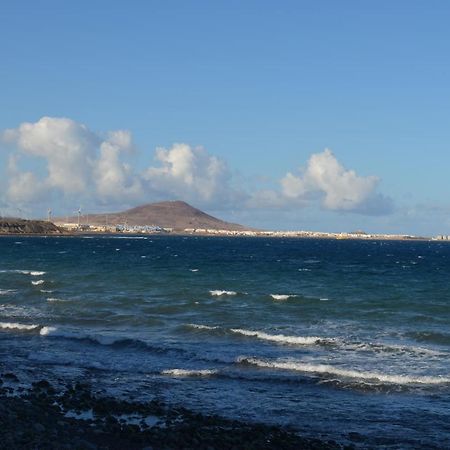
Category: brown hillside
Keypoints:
(170, 214)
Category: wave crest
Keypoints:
(280, 338)
(189, 372)
(283, 296)
(219, 293)
(17, 326)
(325, 369)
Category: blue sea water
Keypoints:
(339, 339)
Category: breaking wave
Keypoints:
(280, 338)
(189, 373)
(56, 300)
(325, 369)
(283, 296)
(33, 273)
(201, 327)
(219, 293)
(17, 326)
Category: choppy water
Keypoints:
(330, 337)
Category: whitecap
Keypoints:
(325, 369)
(17, 326)
(218, 293)
(55, 300)
(202, 327)
(193, 270)
(189, 373)
(23, 272)
(46, 331)
(280, 338)
(37, 282)
(283, 296)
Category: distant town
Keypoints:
(154, 229)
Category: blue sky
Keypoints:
(239, 95)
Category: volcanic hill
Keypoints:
(170, 214)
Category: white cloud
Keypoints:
(190, 173)
(23, 186)
(61, 159)
(67, 146)
(114, 179)
(338, 188)
(81, 164)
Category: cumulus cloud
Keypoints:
(113, 178)
(62, 159)
(338, 188)
(80, 163)
(23, 186)
(67, 146)
(192, 173)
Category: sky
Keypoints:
(306, 115)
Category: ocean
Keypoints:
(338, 339)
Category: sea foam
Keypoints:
(218, 292)
(36, 273)
(283, 296)
(189, 373)
(17, 326)
(202, 327)
(280, 338)
(46, 331)
(33, 273)
(55, 300)
(326, 369)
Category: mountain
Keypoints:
(171, 214)
(22, 226)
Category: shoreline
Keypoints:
(74, 417)
(275, 235)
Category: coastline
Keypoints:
(256, 235)
(75, 417)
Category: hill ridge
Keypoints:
(176, 214)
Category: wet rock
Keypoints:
(10, 376)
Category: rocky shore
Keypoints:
(74, 417)
(22, 226)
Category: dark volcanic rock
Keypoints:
(22, 226)
(43, 418)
